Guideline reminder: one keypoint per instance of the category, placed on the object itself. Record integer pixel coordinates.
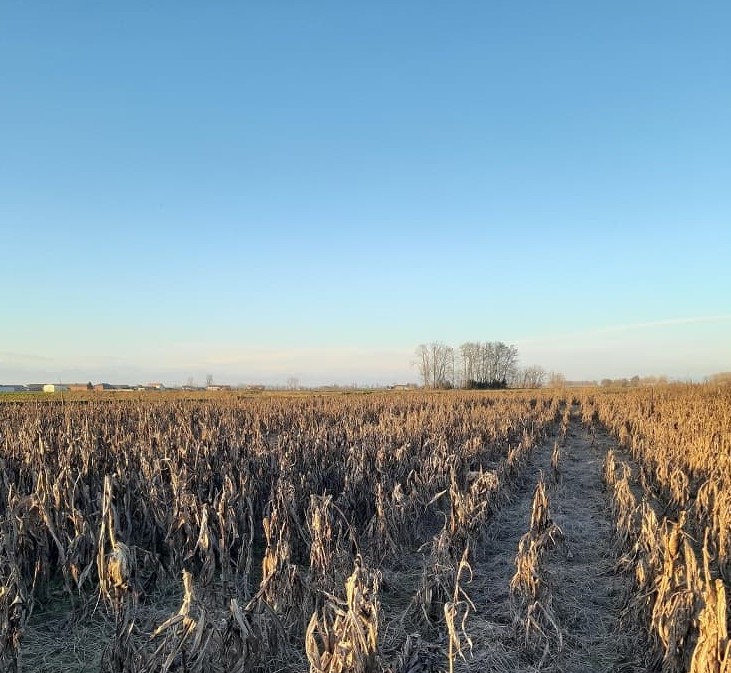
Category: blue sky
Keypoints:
(312, 189)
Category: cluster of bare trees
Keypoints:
(475, 364)
(487, 363)
(436, 364)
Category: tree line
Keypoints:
(479, 365)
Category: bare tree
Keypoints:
(293, 383)
(209, 380)
(533, 376)
(505, 361)
(556, 380)
(424, 364)
(435, 362)
(470, 359)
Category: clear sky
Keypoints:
(311, 189)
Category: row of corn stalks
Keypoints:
(534, 620)
(680, 439)
(680, 436)
(535, 623)
(679, 602)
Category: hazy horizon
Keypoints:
(265, 192)
(594, 355)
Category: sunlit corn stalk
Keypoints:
(437, 580)
(187, 638)
(676, 603)
(384, 529)
(331, 542)
(712, 652)
(456, 613)
(15, 606)
(115, 561)
(282, 584)
(203, 552)
(555, 463)
(343, 637)
(469, 507)
(534, 621)
(540, 518)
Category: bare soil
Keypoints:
(587, 590)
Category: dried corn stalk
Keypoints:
(186, 637)
(712, 653)
(534, 621)
(14, 612)
(343, 638)
(115, 561)
(456, 613)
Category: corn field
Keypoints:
(386, 532)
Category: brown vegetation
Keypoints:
(263, 506)
(352, 533)
(679, 439)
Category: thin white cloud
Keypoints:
(9, 357)
(681, 347)
(627, 327)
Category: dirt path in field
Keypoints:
(586, 591)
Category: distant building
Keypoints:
(99, 387)
(580, 384)
(218, 387)
(403, 386)
(80, 387)
(54, 388)
(154, 386)
(12, 389)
